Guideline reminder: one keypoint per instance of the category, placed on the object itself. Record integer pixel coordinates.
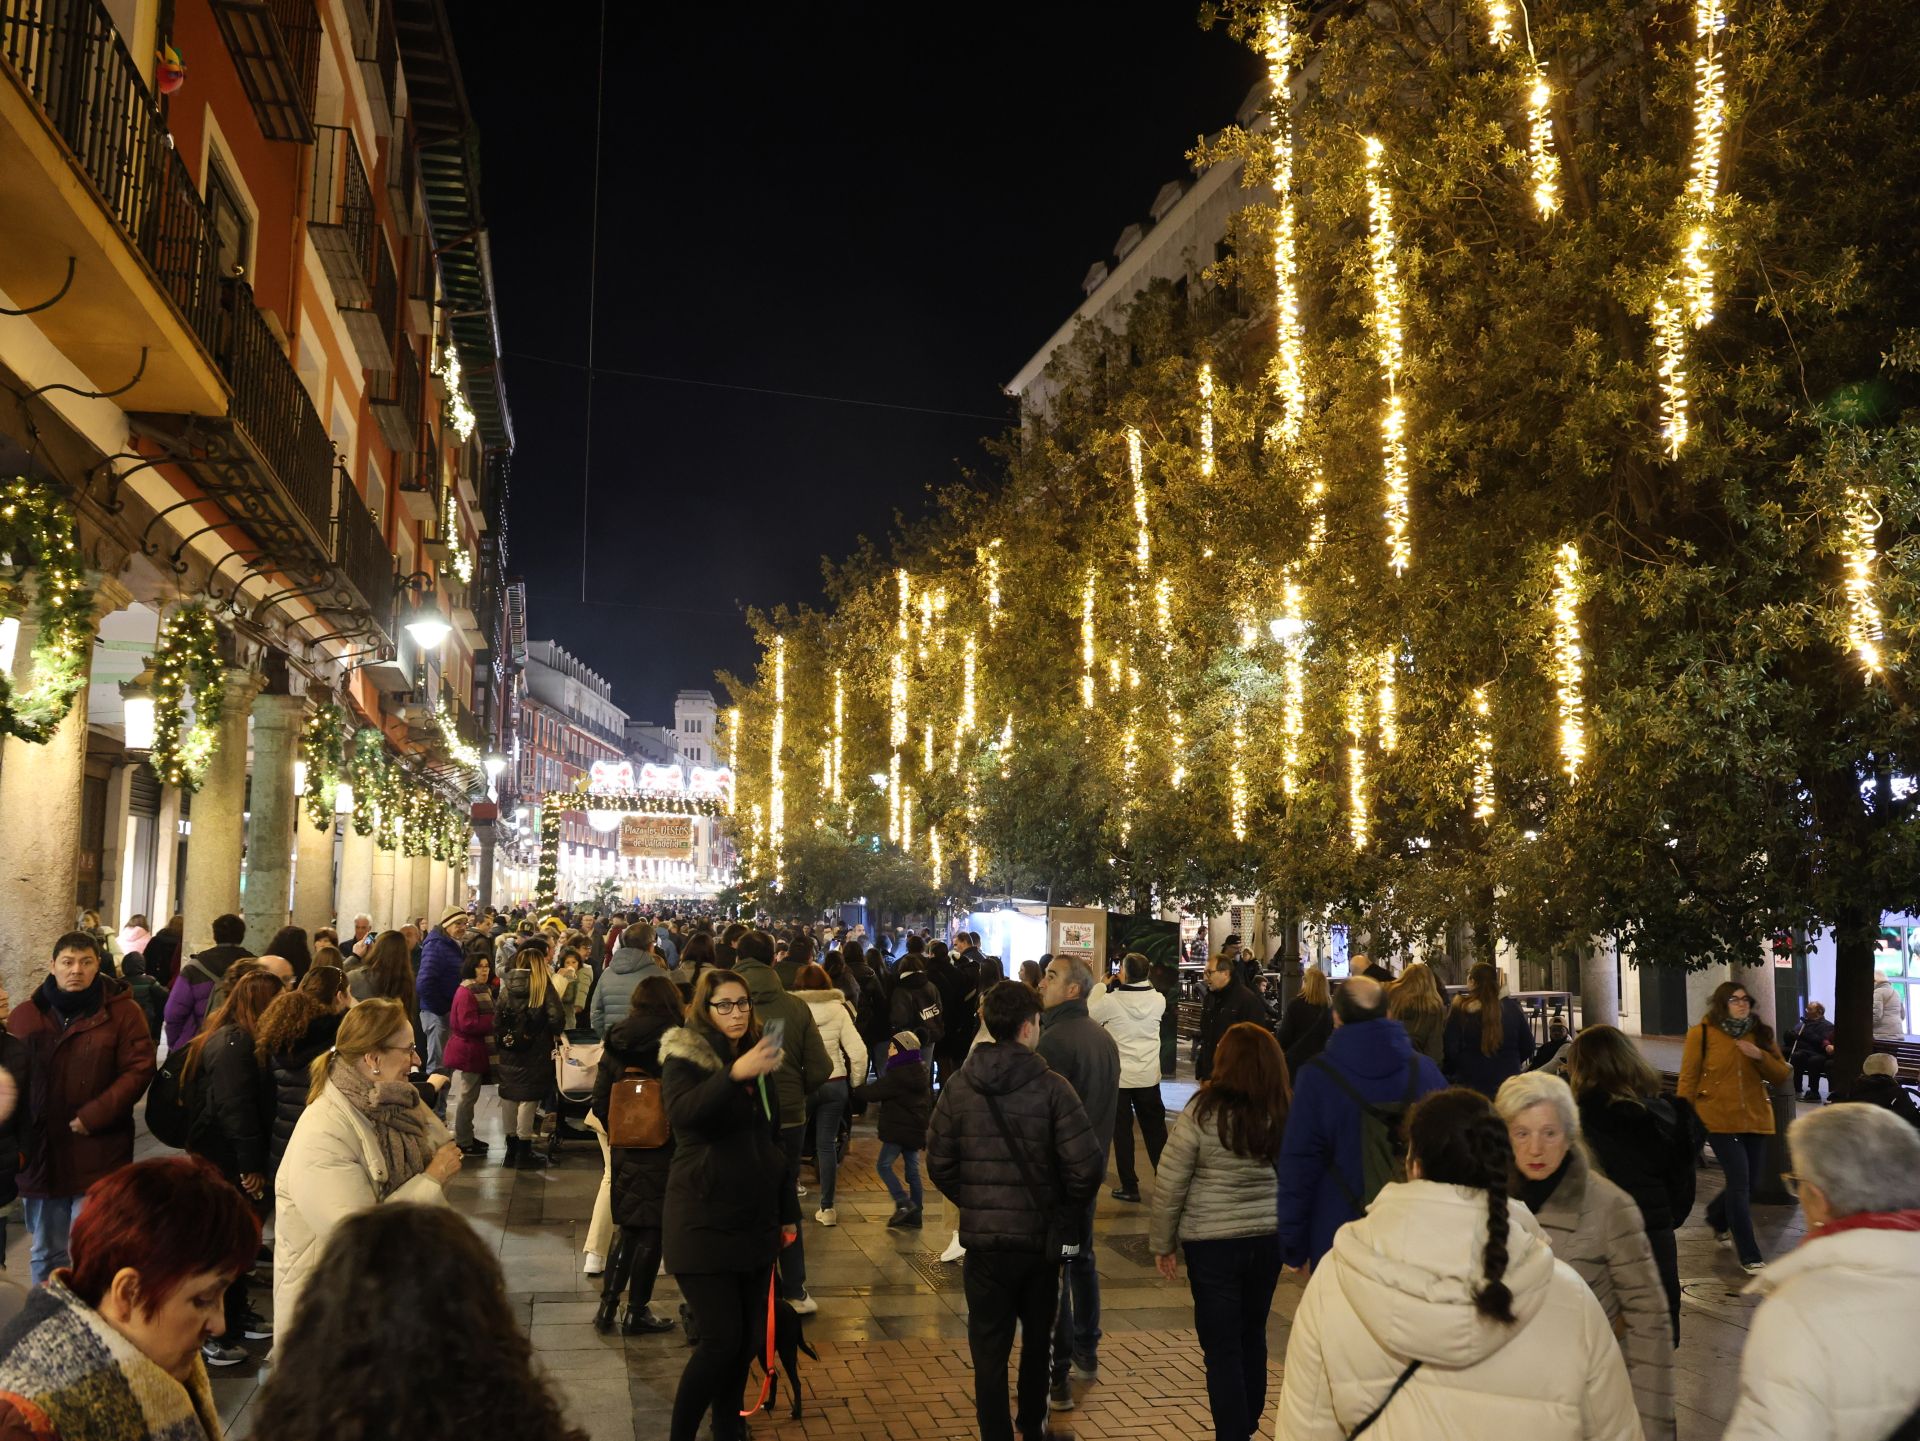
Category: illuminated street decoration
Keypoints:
(1482, 755)
(1864, 632)
(1389, 703)
(1359, 818)
(1389, 343)
(776, 766)
(1289, 364)
(1569, 660)
(1088, 594)
(1206, 444)
(1237, 773)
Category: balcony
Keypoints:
(88, 180)
(346, 231)
(378, 51)
(395, 395)
(275, 46)
(364, 563)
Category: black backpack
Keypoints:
(168, 1116)
(1383, 1146)
(1683, 1134)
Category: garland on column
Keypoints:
(389, 798)
(417, 809)
(367, 770)
(323, 746)
(36, 525)
(187, 660)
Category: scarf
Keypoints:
(1738, 1028)
(70, 1006)
(1537, 1193)
(69, 1374)
(1908, 1220)
(407, 1131)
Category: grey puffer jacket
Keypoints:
(1204, 1192)
(613, 997)
(969, 1160)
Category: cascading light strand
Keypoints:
(1293, 686)
(896, 738)
(1859, 540)
(839, 733)
(905, 624)
(936, 859)
(1206, 444)
(1143, 535)
(1289, 362)
(1543, 165)
(1237, 773)
(1388, 700)
(1569, 660)
(1359, 817)
(1499, 24)
(1483, 805)
(1178, 745)
(1089, 592)
(1006, 747)
(776, 766)
(989, 558)
(964, 722)
(1389, 342)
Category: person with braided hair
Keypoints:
(1443, 1312)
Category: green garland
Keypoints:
(555, 804)
(37, 524)
(368, 771)
(417, 810)
(323, 746)
(389, 795)
(187, 658)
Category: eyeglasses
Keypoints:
(410, 1049)
(1742, 999)
(727, 1008)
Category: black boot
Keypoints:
(642, 1322)
(530, 1158)
(513, 1151)
(603, 1318)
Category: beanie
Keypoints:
(1880, 1064)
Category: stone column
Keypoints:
(40, 789)
(356, 878)
(400, 903)
(420, 890)
(214, 844)
(1599, 983)
(270, 811)
(437, 902)
(313, 870)
(166, 858)
(116, 855)
(485, 830)
(380, 898)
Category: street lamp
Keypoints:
(426, 623)
(136, 707)
(494, 763)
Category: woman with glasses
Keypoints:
(365, 1137)
(1730, 1062)
(729, 1205)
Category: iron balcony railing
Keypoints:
(395, 395)
(341, 214)
(363, 557)
(69, 56)
(272, 406)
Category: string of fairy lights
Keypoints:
(1389, 341)
(776, 768)
(1569, 660)
(1289, 364)
(1860, 527)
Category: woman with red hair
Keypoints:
(109, 1348)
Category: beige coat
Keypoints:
(333, 1168)
(838, 1034)
(1596, 1228)
(1728, 1090)
(1398, 1286)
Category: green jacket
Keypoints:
(806, 1066)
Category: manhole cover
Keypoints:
(938, 1275)
(1714, 1291)
(1133, 1245)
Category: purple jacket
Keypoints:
(192, 988)
(470, 1031)
(439, 975)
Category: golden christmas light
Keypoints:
(905, 626)
(1006, 746)
(906, 819)
(964, 722)
(1542, 164)
(1670, 341)
(1389, 702)
(1179, 747)
(1206, 444)
(1143, 537)
(896, 735)
(1499, 23)
(1482, 755)
(926, 749)
(839, 731)
(1359, 821)
(1389, 342)
(1863, 610)
(776, 766)
(1237, 773)
(989, 558)
(1088, 593)
(1569, 660)
(936, 861)
(1293, 686)
(1289, 363)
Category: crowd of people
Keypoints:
(1486, 1227)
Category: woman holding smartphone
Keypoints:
(729, 1206)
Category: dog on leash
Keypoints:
(789, 1340)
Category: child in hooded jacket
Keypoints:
(905, 1093)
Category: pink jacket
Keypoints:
(471, 1025)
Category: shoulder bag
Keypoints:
(1374, 1415)
(1064, 1238)
(636, 1113)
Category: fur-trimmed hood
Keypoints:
(684, 1043)
(821, 998)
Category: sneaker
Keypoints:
(255, 1327)
(804, 1305)
(217, 1353)
(475, 1147)
(955, 1251)
(1126, 1193)
(912, 1221)
(1060, 1395)
(1085, 1370)
(1753, 1268)
(799, 1190)
(827, 1216)
(899, 1217)
(596, 1264)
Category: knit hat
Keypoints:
(905, 1041)
(1880, 1064)
(457, 913)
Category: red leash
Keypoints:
(766, 1381)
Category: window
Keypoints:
(231, 227)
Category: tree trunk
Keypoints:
(1855, 929)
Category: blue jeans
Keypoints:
(830, 1104)
(1742, 1157)
(1232, 1283)
(49, 1220)
(433, 1038)
(889, 1153)
(1076, 1330)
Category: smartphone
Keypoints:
(777, 1032)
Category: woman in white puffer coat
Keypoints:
(1442, 1311)
(840, 1034)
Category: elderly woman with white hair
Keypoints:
(1830, 1354)
(1596, 1228)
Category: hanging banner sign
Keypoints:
(667, 838)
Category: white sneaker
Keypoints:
(596, 1264)
(805, 1306)
(955, 1251)
(1753, 1268)
(827, 1216)
(799, 1190)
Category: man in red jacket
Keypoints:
(89, 1059)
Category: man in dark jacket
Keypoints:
(1810, 1051)
(1084, 1053)
(803, 1069)
(981, 1161)
(1227, 1002)
(88, 1060)
(442, 955)
(1322, 1161)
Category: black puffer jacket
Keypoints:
(1642, 1153)
(1228, 1006)
(226, 1106)
(969, 1160)
(905, 1094)
(526, 1035)
(916, 1007)
(728, 1193)
(639, 1176)
(288, 1079)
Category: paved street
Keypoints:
(891, 1330)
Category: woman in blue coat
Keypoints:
(1487, 1038)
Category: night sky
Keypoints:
(838, 199)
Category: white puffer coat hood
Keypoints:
(1132, 1015)
(1398, 1287)
(839, 1033)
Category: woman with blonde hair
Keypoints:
(365, 1137)
(1596, 1228)
(528, 1019)
(1415, 1002)
(1307, 1021)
